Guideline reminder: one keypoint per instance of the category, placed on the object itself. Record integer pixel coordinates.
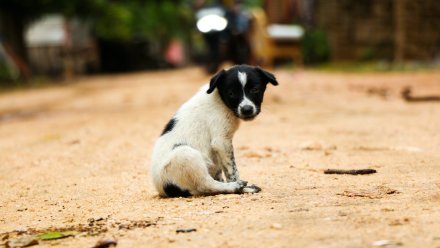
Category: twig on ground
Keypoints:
(186, 230)
(406, 94)
(350, 172)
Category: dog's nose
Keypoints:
(247, 110)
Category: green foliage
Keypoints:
(4, 74)
(114, 22)
(253, 3)
(315, 47)
(148, 19)
(367, 54)
(113, 19)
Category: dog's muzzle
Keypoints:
(247, 112)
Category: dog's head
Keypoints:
(242, 89)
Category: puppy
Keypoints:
(195, 147)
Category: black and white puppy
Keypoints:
(195, 148)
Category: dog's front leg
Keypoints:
(230, 168)
(224, 156)
(224, 153)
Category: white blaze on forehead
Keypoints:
(242, 77)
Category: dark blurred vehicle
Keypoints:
(225, 30)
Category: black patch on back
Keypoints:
(173, 190)
(170, 125)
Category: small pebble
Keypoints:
(311, 146)
(253, 154)
(276, 226)
(385, 243)
(23, 241)
(381, 243)
(105, 243)
(21, 229)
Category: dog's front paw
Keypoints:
(239, 186)
(251, 189)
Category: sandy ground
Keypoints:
(75, 157)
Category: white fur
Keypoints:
(205, 126)
(242, 77)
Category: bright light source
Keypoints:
(211, 23)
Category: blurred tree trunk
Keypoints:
(399, 34)
(12, 29)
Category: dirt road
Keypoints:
(75, 157)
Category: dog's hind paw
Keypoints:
(251, 189)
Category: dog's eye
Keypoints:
(231, 94)
(255, 90)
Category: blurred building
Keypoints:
(368, 29)
(57, 46)
(390, 29)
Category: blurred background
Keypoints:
(60, 39)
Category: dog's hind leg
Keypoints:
(187, 174)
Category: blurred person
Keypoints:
(225, 27)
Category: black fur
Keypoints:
(170, 125)
(215, 80)
(267, 75)
(173, 190)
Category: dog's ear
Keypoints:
(267, 76)
(215, 80)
